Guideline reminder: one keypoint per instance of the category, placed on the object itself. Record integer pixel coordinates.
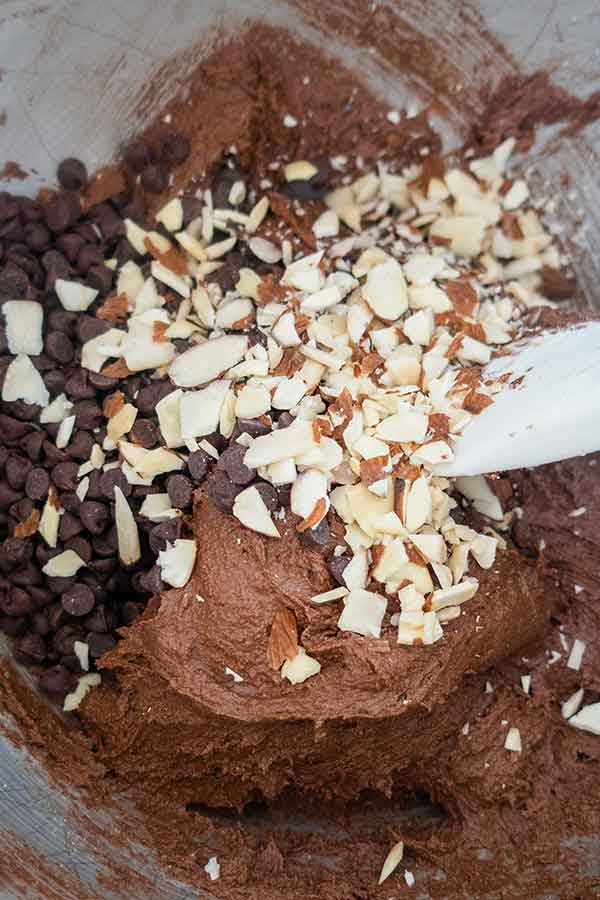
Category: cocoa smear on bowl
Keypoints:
(250, 92)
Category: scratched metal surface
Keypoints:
(70, 75)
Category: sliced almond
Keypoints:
(208, 361)
(200, 411)
(587, 719)
(24, 321)
(22, 381)
(56, 411)
(127, 530)
(158, 508)
(363, 613)
(64, 565)
(283, 639)
(252, 402)
(235, 314)
(407, 425)
(50, 519)
(249, 507)
(392, 861)
(177, 562)
(264, 250)
(301, 667)
(73, 296)
(513, 740)
(169, 419)
(122, 422)
(284, 443)
(65, 431)
(455, 595)
(171, 215)
(300, 170)
(84, 686)
(385, 291)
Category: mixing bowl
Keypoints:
(74, 77)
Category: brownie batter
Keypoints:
(221, 754)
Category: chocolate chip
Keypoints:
(37, 484)
(57, 617)
(100, 277)
(166, 531)
(151, 394)
(64, 476)
(94, 516)
(175, 148)
(89, 327)
(57, 680)
(15, 471)
(64, 639)
(87, 231)
(37, 236)
(150, 582)
(192, 209)
(268, 494)
(130, 612)
(114, 478)
(134, 209)
(63, 211)
(144, 433)
(32, 445)
(52, 455)
(103, 568)
(138, 156)
(39, 623)
(15, 551)
(81, 445)
(70, 244)
(72, 174)
(13, 627)
(317, 537)
(249, 426)
(101, 620)
(14, 281)
(58, 585)
(336, 566)
(285, 419)
(124, 252)
(59, 347)
(232, 463)
(284, 495)
(40, 596)
(33, 647)
(89, 255)
(56, 266)
(155, 178)
(43, 553)
(7, 495)
(55, 381)
(17, 603)
(222, 491)
(12, 231)
(69, 526)
(88, 413)
(101, 382)
(198, 465)
(100, 644)
(63, 321)
(9, 206)
(78, 600)
(70, 502)
(80, 546)
(179, 489)
(26, 576)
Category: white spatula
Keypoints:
(552, 414)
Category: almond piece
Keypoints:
(385, 291)
(208, 361)
(283, 639)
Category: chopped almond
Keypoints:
(113, 404)
(283, 639)
(118, 369)
(172, 259)
(158, 332)
(315, 517)
(372, 470)
(114, 308)
(463, 296)
(476, 403)
(28, 526)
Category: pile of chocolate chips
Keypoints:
(59, 236)
(42, 240)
